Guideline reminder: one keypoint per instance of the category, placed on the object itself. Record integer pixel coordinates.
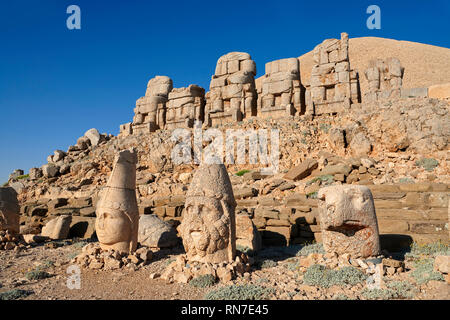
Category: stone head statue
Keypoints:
(9, 210)
(159, 86)
(348, 220)
(208, 228)
(117, 211)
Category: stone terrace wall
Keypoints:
(405, 212)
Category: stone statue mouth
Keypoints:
(348, 228)
(196, 234)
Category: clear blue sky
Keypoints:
(57, 83)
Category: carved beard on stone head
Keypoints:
(205, 229)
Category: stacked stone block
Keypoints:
(150, 111)
(185, 106)
(333, 85)
(281, 89)
(385, 79)
(232, 94)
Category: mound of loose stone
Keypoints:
(183, 271)
(93, 257)
(10, 241)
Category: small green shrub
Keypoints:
(377, 294)
(394, 290)
(169, 261)
(240, 292)
(242, 172)
(311, 248)
(25, 176)
(325, 127)
(430, 249)
(320, 276)
(405, 180)
(292, 265)
(37, 274)
(402, 289)
(73, 255)
(46, 264)
(324, 179)
(427, 163)
(267, 263)
(80, 244)
(246, 250)
(203, 281)
(312, 195)
(15, 294)
(423, 271)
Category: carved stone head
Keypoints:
(9, 210)
(208, 228)
(348, 221)
(117, 211)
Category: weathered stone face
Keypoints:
(208, 228)
(9, 210)
(348, 221)
(117, 211)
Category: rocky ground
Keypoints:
(287, 273)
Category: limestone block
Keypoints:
(342, 66)
(247, 234)
(439, 91)
(232, 91)
(9, 210)
(394, 67)
(50, 170)
(57, 228)
(249, 66)
(414, 93)
(348, 221)
(155, 233)
(240, 78)
(93, 135)
(159, 86)
(301, 171)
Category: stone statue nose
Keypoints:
(101, 221)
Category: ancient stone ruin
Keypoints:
(208, 228)
(385, 79)
(151, 109)
(185, 106)
(280, 93)
(333, 86)
(117, 211)
(232, 95)
(9, 210)
(348, 221)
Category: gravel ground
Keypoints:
(125, 283)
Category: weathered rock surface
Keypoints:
(155, 233)
(348, 221)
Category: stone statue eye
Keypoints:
(331, 208)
